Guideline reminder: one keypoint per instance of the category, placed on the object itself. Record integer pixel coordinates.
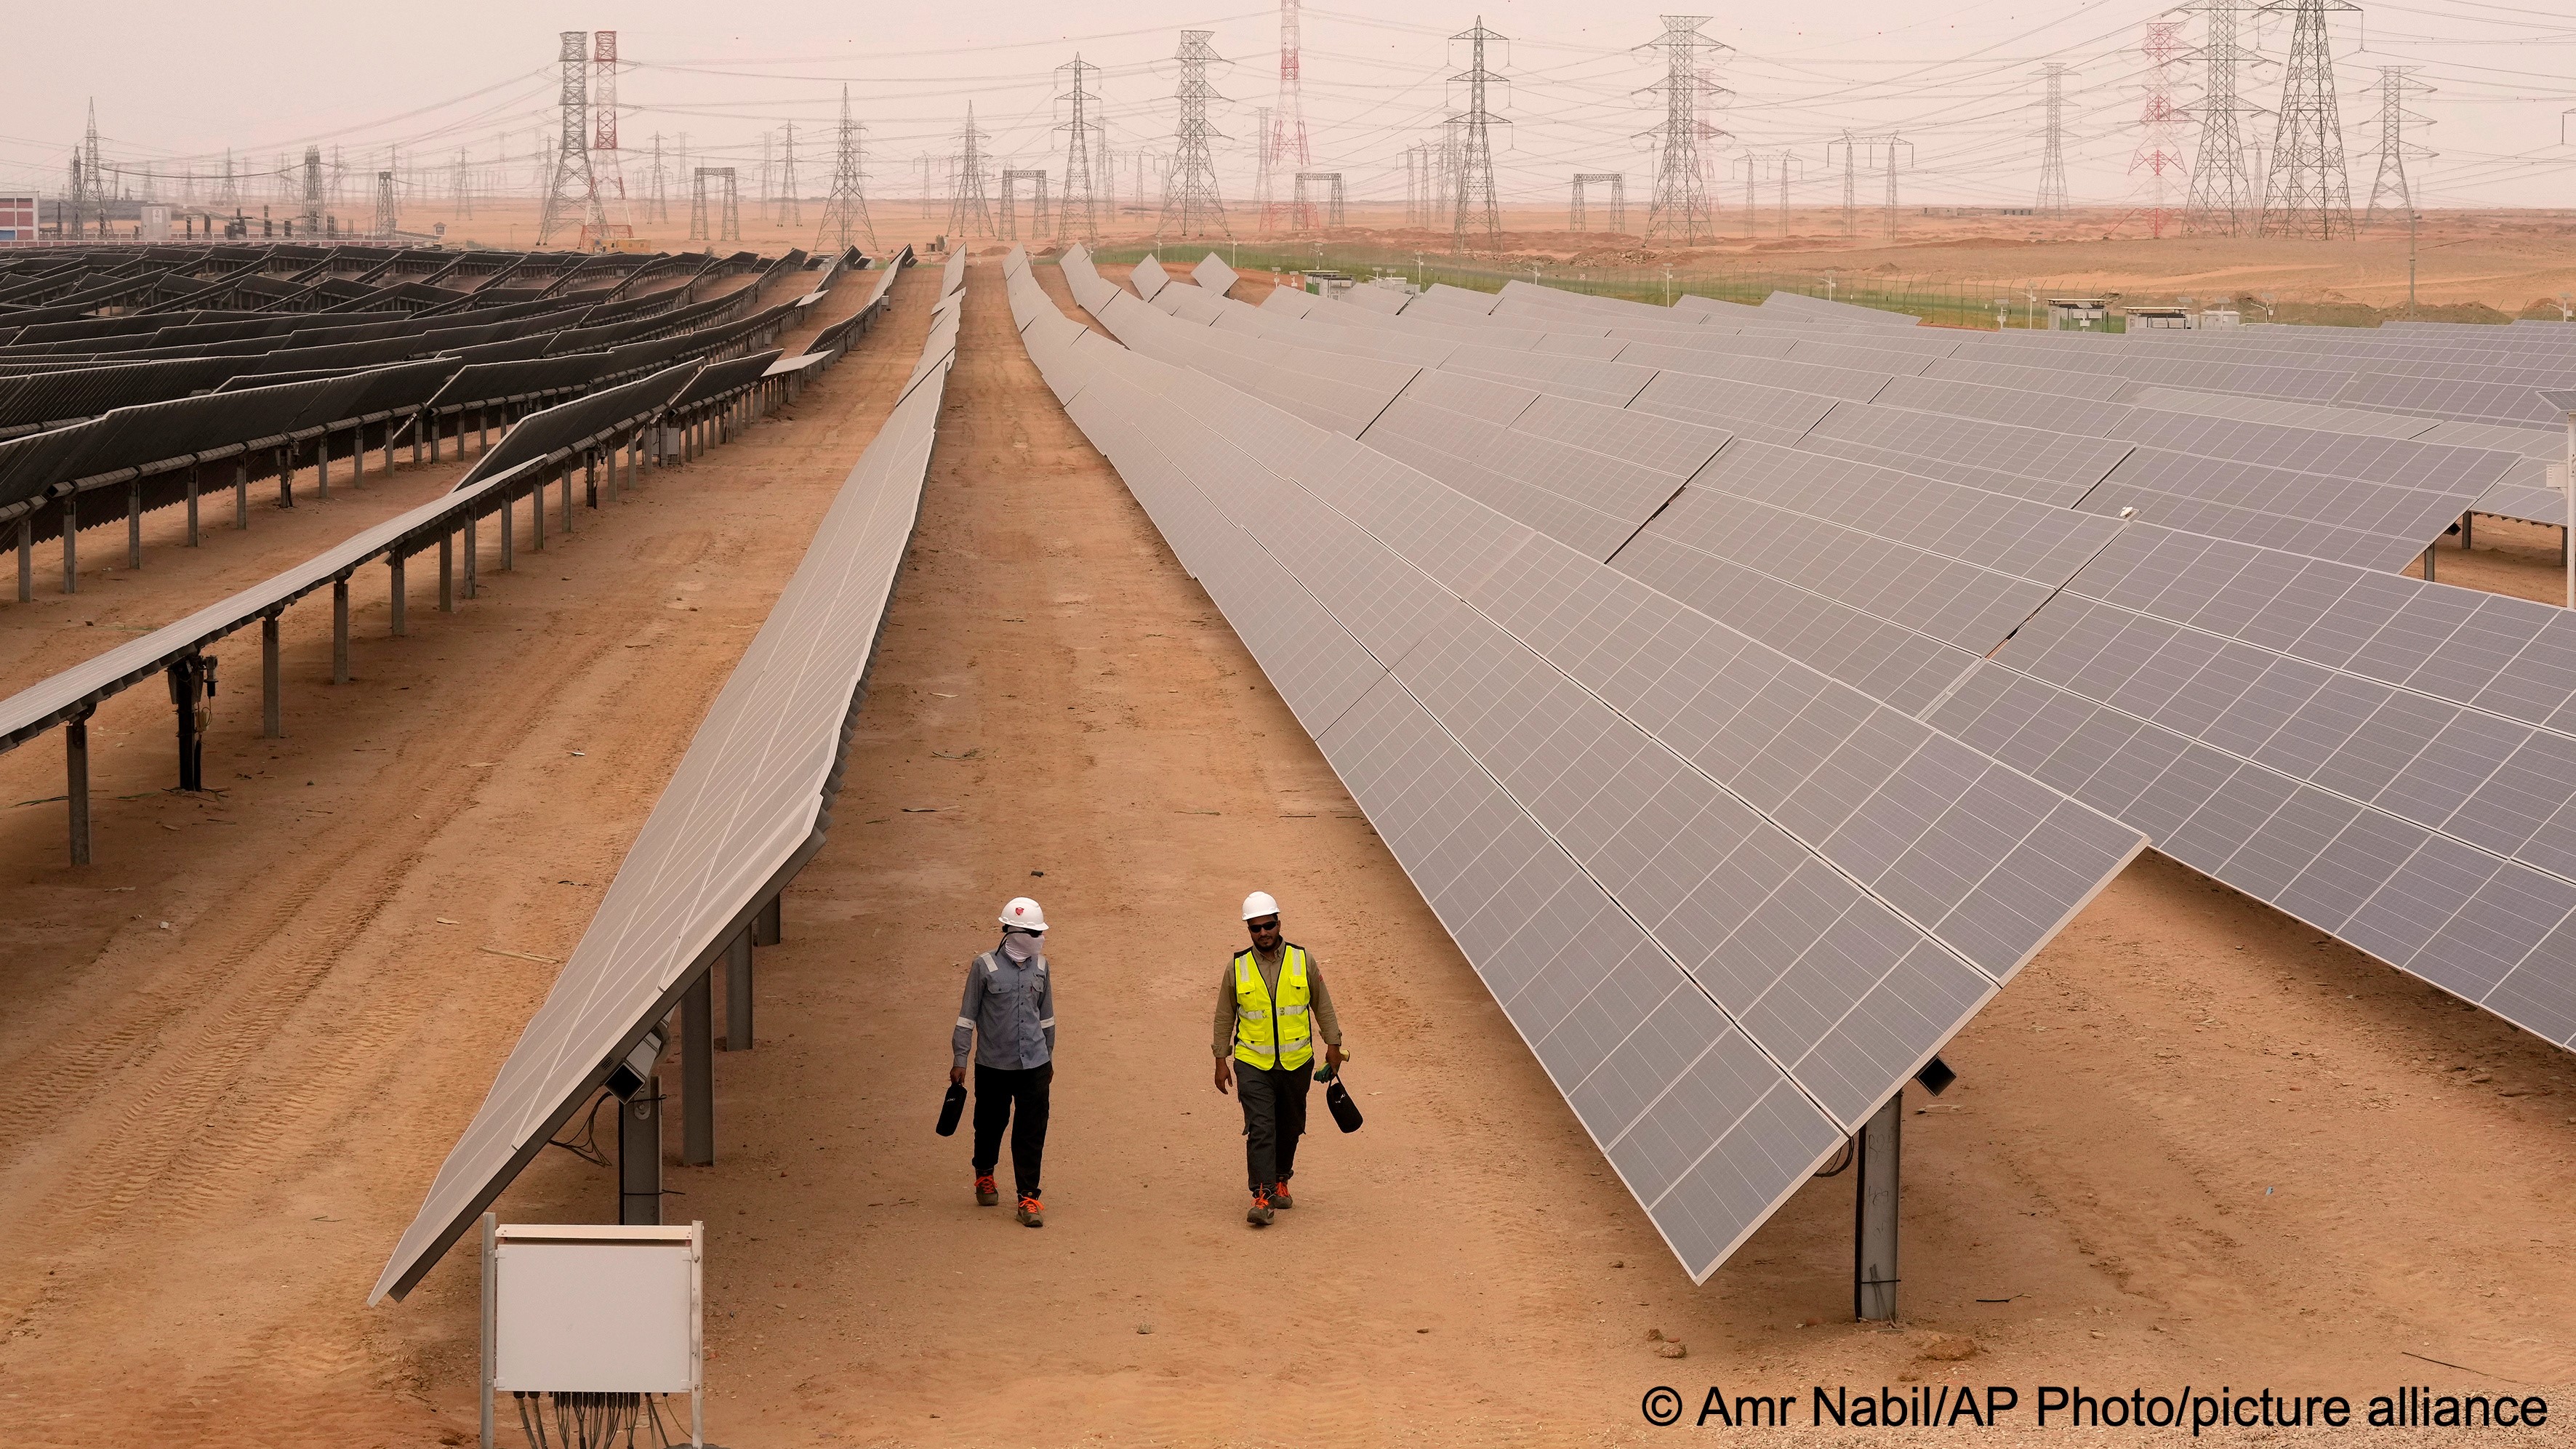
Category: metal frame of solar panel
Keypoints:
(746, 808)
(1714, 891)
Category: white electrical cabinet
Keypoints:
(594, 1309)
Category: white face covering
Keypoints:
(1019, 945)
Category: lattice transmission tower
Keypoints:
(659, 200)
(1477, 205)
(385, 205)
(1190, 201)
(572, 189)
(1850, 145)
(1078, 204)
(2223, 200)
(2308, 192)
(970, 195)
(607, 172)
(1265, 193)
(1283, 143)
(1681, 209)
(2396, 83)
(2052, 155)
(845, 211)
(2159, 122)
(1890, 144)
(311, 220)
(791, 209)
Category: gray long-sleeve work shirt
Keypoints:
(1007, 1016)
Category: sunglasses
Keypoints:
(1269, 925)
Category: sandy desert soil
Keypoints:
(2194, 1143)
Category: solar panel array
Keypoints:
(1731, 904)
(747, 806)
(2389, 760)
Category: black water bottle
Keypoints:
(953, 1108)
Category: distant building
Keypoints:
(2078, 314)
(19, 212)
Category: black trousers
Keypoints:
(1274, 1117)
(1019, 1100)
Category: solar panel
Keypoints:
(745, 807)
(1539, 748)
(1213, 275)
(1149, 278)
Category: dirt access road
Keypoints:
(2191, 1144)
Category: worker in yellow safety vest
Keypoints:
(1271, 1004)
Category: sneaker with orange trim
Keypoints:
(1279, 1196)
(1259, 1213)
(1032, 1212)
(987, 1191)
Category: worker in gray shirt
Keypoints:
(1007, 1018)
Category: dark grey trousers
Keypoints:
(1274, 1117)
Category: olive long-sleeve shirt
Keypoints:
(1327, 1025)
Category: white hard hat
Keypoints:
(1023, 914)
(1259, 904)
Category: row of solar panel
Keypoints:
(1731, 904)
(2440, 719)
(2273, 484)
(747, 806)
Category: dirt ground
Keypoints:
(2193, 1144)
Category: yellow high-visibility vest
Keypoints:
(1271, 1033)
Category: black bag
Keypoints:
(1346, 1113)
(952, 1109)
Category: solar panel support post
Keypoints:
(134, 524)
(567, 497)
(71, 543)
(491, 1304)
(589, 485)
(765, 926)
(698, 1072)
(509, 527)
(447, 573)
(472, 547)
(76, 783)
(537, 515)
(271, 716)
(322, 465)
(2428, 563)
(394, 584)
(358, 453)
(26, 559)
(639, 1156)
(188, 680)
(1880, 1153)
(194, 471)
(241, 493)
(340, 630)
(738, 993)
(286, 477)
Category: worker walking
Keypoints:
(1270, 1004)
(1007, 1018)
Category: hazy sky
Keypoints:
(1958, 81)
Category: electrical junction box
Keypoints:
(594, 1309)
